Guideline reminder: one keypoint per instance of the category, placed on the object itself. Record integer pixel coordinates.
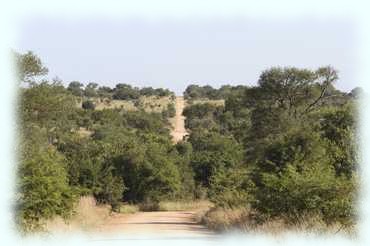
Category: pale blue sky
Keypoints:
(174, 53)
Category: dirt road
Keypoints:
(174, 223)
(178, 122)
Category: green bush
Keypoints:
(286, 147)
(231, 188)
(337, 127)
(43, 189)
(170, 112)
(315, 190)
(213, 152)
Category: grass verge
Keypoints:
(128, 208)
(249, 221)
(184, 205)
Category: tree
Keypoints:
(48, 106)
(315, 190)
(231, 188)
(298, 91)
(338, 128)
(192, 92)
(90, 90)
(105, 91)
(29, 67)
(91, 168)
(202, 115)
(43, 187)
(125, 92)
(150, 174)
(147, 91)
(75, 88)
(170, 111)
(212, 153)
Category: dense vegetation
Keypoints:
(120, 92)
(193, 92)
(283, 148)
(127, 155)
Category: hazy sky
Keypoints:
(174, 53)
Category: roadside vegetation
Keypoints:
(113, 154)
(282, 153)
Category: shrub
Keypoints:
(43, 189)
(170, 112)
(213, 152)
(231, 188)
(314, 190)
(337, 127)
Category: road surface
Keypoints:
(178, 122)
(173, 223)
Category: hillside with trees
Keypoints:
(282, 150)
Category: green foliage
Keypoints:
(75, 88)
(213, 152)
(296, 133)
(301, 146)
(338, 129)
(29, 66)
(231, 188)
(47, 105)
(90, 167)
(91, 90)
(285, 147)
(201, 92)
(202, 116)
(111, 187)
(295, 90)
(149, 91)
(183, 155)
(170, 111)
(147, 122)
(313, 190)
(43, 187)
(148, 170)
(105, 92)
(125, 92)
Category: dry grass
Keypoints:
(148, 103)
(247, 220)
(84, 133)
(184, 205)
(88, 217)
(220, 102)
(111, 104)
(128, 209)
(223, 219)
(154, 103)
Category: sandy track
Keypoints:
(173, 223)
(178, 122)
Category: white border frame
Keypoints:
(13, 11)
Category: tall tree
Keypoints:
(29, 67)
